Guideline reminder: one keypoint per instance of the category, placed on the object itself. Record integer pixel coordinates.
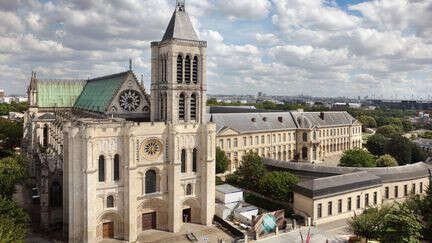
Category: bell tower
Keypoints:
(178, 84)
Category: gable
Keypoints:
(132, 89)
(227, 132)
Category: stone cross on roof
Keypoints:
(180, 5)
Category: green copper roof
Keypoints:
(58, 93)
(97, 93)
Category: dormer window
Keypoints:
(253, 119)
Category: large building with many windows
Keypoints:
(290, 136)
(326, 194)
(110, 160)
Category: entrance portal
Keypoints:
(187, 215)
(108, 230)
(149, 221)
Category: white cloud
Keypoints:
(244, 9)
(277, 46)
(267, 39)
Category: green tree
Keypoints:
(400, 224)
(427, 134)
(376, 144)
(251, 171)
(357, 158)
(400, 148)
(221, 161)
(389, 130)
(368, 224)
(367, 121)
(422, 207)
(11, 133)
(13, 221)
(407, 125)
(417, 154)
(386, 161)
(212, 101)
(13, 170)
(278, 185)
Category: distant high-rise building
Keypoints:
(2, 93)
(260, 94)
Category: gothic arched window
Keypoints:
(194, 160)
(56, 195)
(193, 107)
(101, 168)
(183, 161)
(150, 181)
(182, 107)
(45, 135)
(179, 69)
(189, 189)
(165, 69)
(188, 70)
(110, 201)
(195, 70)
(304, 153)
(305, 137)
(162, 65)
(116, 167)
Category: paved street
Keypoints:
(334, 232)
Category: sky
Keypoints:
(379, 48)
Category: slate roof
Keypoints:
(253, 122)
(342, 179)
(401, 173)
(322, 119)
(61, 93)
(99, 92)
(236, 109)
(338, 184)
(308, 167)
(180, 27)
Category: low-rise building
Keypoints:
(328, 194)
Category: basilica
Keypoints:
(110, 160)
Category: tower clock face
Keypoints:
(151, 148)
(130, 100)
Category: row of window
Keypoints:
(405, 190)
(116, 168)
(349, 205)
(185, 72)
(256, 140)
(192, 106)
(184, 159)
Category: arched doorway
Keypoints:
(110, 226)
(191, 211)
(152, 214)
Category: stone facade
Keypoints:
(290, 136)
(326, 194)
(113, 167)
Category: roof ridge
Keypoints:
(109, 76)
